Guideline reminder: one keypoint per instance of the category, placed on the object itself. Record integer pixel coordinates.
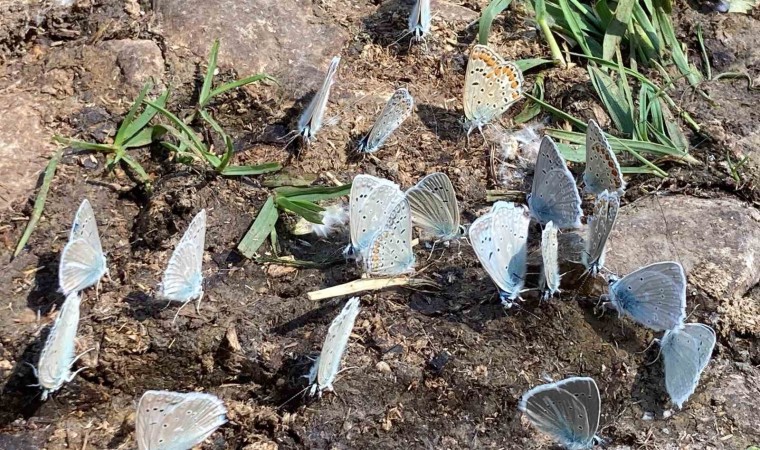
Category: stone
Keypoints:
(734, 390)
(452, 12)
(139, 61)
(287, 39)
(25, 146)
(716, 240)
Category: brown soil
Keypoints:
(458, 361)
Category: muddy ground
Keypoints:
(441, 369)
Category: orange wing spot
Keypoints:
(515, 84)
(515, 96)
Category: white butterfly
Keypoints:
(550, 276)
(369, 208)
(419, 20)
(686, 350)
(390, 252)
(600, 226)
(327, 365)
(83, 263)
(311, 119)
(491, 86)
(57, 357)
(602, 168)
(499, 239)
(434, 207)
(176, 421)
(395, 112)
(183, 278)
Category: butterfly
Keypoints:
(654, 295)
(395, 112)
(499, 239)
(57, 357)
(434, 207)
(600, 226)
(554, 196)
(327, 365)
(550, 275)
(419, 20)
(369, 209)
(311, 119)
(183, 278)
(83, 263)
(390, 252)
(491, 86)
(602, 168)
(175, 420)
(686, 350)
(568, 411)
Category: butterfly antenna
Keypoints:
(658, 352)
(668, 234)
(294, 396)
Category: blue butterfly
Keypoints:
(554, 195)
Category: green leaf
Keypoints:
(236, 84)
(613, 99)
(526, 64)
(315, 193)
(187, 137)
(204, 96)
(558, 112)
(572, 153)
(82, 145)
(120, 134)
(532, 109)
(144, 118)
(39, 202)
(617, 28)
(289, 179)
(300, 209)
(239, 171)
(574, 26)
(494, 8)
(677, 52)
(143, 138)
(137, 168)
(260, 230)
(307, 205)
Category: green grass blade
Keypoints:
(187, 137)
(240, 171)
(82, 145)
(558, 112)
(298, 209)
(144, 178)
(124, 127)
(617, 28)
(39, 202)
(236, 84)
(532, 109)
(144, 118)
(703, 49)
(313, 194)
(262, 227)
(677, 52)
(613, 99)
(209, 78)
(185, 142)
(530, 63)
(674, 130)
(143, 138)
(494, 8)
(574, 27)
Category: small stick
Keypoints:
(368, 284)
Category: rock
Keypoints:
(284, 38)
(716, 240)
(451, 12)
(25, 146)
(383, 367)
(734, 392)
(139, 61)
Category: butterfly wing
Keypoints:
(419, 19)
(654, 296)
(549, 246)
(183, 278)
(600, 226)
(434, 206)
(568, 411)
(499, 239)
(395, 112)
(53, 368)
(685, 353)
(311, 119)
(85, 227)
(81, 266)
(491, 86)
(554, 196)
(602, 168)
(368, 208)
(390, 253)
(335, 345)
(173, 420)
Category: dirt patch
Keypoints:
(423, 370)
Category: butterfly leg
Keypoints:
(178, 310)
(198, 304)
(81, 354)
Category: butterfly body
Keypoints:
(550, 277)
(492, 85)
(419, 20)
(57, 357)
(176, 421)
(653, 296)
(83, 263)
(327, 365)
(554, 196)
(499, 239)
(395, 112)
(310, 121)
(568, 411)
(686, 351)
